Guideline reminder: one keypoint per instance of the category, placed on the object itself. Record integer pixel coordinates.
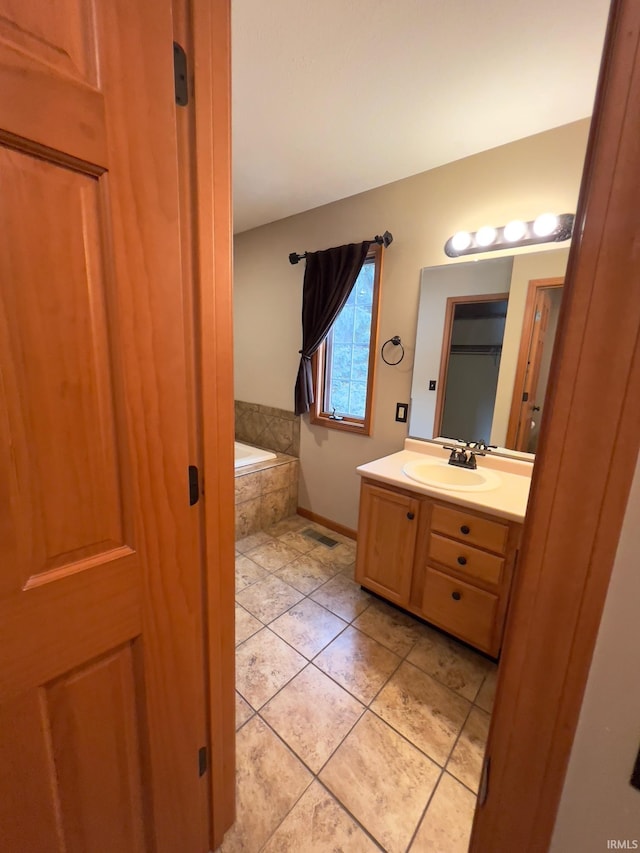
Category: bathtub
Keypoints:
(247, 455)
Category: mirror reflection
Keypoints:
(483, 348)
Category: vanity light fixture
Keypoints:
(546, 228)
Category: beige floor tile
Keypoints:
(295, 539)
(446, 827)
(253, 541)
(318, 824)
(268, 598)
(308, 627)
(382, 780)
(487, 694)
(244, 711)
(312, 714)
(389, 626)
(264, 664)
(456, 666)
(340, 556)
(270, 779)
(248, 572)
(273, 555)
(291, 523)
(361, 665)
(466, 760)
(246, 625)
(342, 597)
(426, 712)
(306, 573)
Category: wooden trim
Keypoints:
(317, 415)
(582, 475)
(211, 186)
(327, 522)
(535, 285)
(452, 301)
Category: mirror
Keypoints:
(489, 366)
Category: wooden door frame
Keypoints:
(452, 301)
(535, 285)
(204, 133)
(576, 509)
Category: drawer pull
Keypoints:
(462, 561)
(411, 516)
(456, 595)
(465, 529)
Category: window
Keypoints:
(344, 365)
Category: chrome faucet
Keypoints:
(463, 453)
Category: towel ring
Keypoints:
(396, 342)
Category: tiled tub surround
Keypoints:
(359, 727)
(266, 493)
(275, 429)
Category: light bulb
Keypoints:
(486, 235)
(545, 224)
(514, 230)
(461, 241)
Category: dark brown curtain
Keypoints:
(329, 277)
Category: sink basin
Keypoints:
(445, 476)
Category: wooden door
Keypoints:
(101, 663)
(386, 542)
(533, 340)
(529, 405)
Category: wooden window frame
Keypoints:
(318, 416)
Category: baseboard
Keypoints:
(327, 522)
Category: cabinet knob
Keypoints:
(465, 529)
(462, 561)
(411, 516)
(456, 595)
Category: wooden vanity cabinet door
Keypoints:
(386, 541)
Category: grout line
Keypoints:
(426, 809)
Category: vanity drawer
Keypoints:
(470, 528)
(461, 609)
(465, 559)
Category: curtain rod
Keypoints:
(385, 240)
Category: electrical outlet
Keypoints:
(401, 412)
(432, 385)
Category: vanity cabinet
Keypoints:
(450, 565)
(387, 557)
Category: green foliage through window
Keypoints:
(347, 349)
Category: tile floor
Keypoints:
(359, 728)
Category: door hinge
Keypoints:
(483, 788)
(202, 761)
(180, 75)
(194, 485)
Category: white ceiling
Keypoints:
(334, 97)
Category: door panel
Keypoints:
(102, 708)
(93, 722)
(60, 34)
(57, 350)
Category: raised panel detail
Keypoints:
(58, 382)
(58, 33)
(27, 822)
(93, 721)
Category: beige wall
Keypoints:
(598, 803)
(518, 180)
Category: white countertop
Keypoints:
(508, 500)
